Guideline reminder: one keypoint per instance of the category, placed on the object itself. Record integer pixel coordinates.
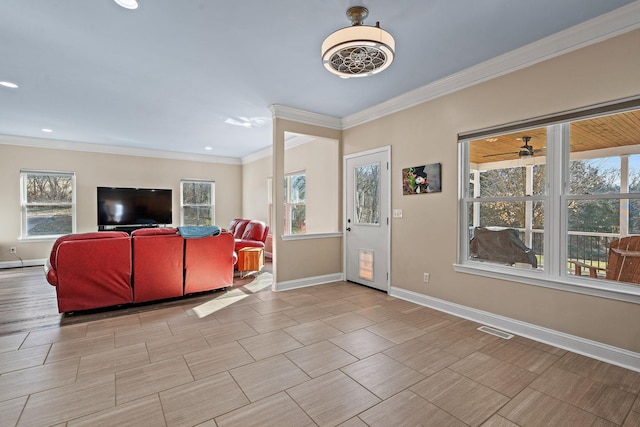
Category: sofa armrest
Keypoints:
(50, 273)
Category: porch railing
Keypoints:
(584, 247)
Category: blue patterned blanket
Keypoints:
(197, 231)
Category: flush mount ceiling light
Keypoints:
(127, 4)
(9, 85)
(247, 122)
(358, 50)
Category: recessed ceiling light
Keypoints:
(208, 148)
(127, 4)
(9, 84)
(47, 130)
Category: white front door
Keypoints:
(367, 195)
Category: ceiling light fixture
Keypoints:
(127, 4)
(358, 50)
(9, 85)
(247, 122)
(46, 130)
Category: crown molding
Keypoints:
(296, 115)
(58, 144)
(608, 25)
(257, 155)
(291, 140)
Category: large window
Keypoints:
(47, 203)
(197, 202)
(557, 202)
(295, 203)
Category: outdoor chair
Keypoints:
(623, 264)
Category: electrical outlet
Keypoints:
(427, 277)
(13, 250)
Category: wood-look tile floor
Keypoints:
(331, 355)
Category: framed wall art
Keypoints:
(421, 179)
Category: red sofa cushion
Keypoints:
(157, 264)
(82, 236)
(155, 231)
(255, 230)
(91, 270)
(238, 228)
(208, 263)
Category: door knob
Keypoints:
(348, 228)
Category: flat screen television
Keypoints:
(140, 207)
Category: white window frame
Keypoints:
(211, 206)
(554, 274)
(24, 205)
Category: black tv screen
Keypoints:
(134, 206)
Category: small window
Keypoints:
(197, 202)
(295, 203)
(47, 203)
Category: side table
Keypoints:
(250, 260)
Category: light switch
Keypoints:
(397, 213)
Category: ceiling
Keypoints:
(184, 75)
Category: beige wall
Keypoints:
(97, 169)
(300, 259)
(320, 161)
(425, 239)
(254, 189)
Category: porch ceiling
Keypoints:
(616, 130)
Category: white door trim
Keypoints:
(386, 150)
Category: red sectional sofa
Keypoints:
(108, 268)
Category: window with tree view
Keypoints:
(295, 203)
(48, 203)
(563, 200)
(197, 202)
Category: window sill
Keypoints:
(309, 236)
(39, 239)
(586, 286)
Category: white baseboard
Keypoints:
(596, 350)
(23, 263)
(308, 281)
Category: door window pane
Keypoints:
(367, 194)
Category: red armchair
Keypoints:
(91, 270)
(248, 233)
(209, 263)
(157, 264)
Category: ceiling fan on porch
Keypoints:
(524, 152)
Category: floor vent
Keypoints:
(496, 332)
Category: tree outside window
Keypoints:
(295, 203)
(48, 203)
(197, 202)
(579, 178)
